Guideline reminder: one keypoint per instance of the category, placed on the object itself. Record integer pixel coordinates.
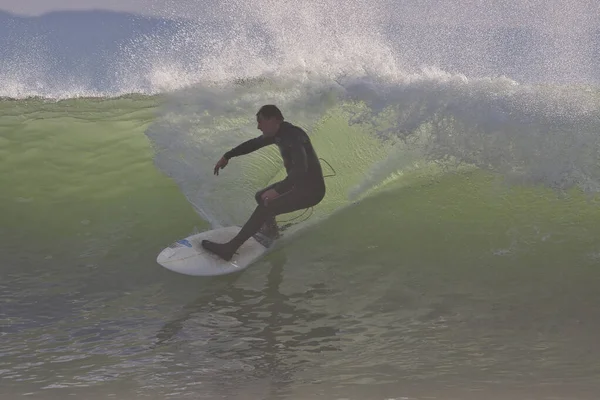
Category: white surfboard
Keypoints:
(187, 256)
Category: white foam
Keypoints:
(291, 39)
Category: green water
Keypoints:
(79, 173)
(430, 283)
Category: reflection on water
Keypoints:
(256, 336)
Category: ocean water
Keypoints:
(455, 256)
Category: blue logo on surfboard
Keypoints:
(184, 242)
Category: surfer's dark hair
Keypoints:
(270, 111)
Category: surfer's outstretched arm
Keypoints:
(245, 148)
(249, 146)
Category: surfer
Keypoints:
(303, 187)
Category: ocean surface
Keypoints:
(455, 256)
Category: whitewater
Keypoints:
(455, 255)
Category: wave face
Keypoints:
(97, 53)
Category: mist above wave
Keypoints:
(101, 53)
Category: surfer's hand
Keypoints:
(220, 165)
(269, 195)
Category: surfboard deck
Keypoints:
(187, 256)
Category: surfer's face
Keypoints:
(268, 126)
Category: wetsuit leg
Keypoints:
(295, 199)
(269, 227)
(285, 203)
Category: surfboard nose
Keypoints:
(164, 255)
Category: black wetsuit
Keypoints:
(299, 158)
(303, 187)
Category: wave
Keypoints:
(377, 133)
(405, 155)
(381, 93)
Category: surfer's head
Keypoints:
(269, 118)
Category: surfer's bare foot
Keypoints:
(223, 250)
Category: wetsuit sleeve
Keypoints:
(249, 146)
(297, 170)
